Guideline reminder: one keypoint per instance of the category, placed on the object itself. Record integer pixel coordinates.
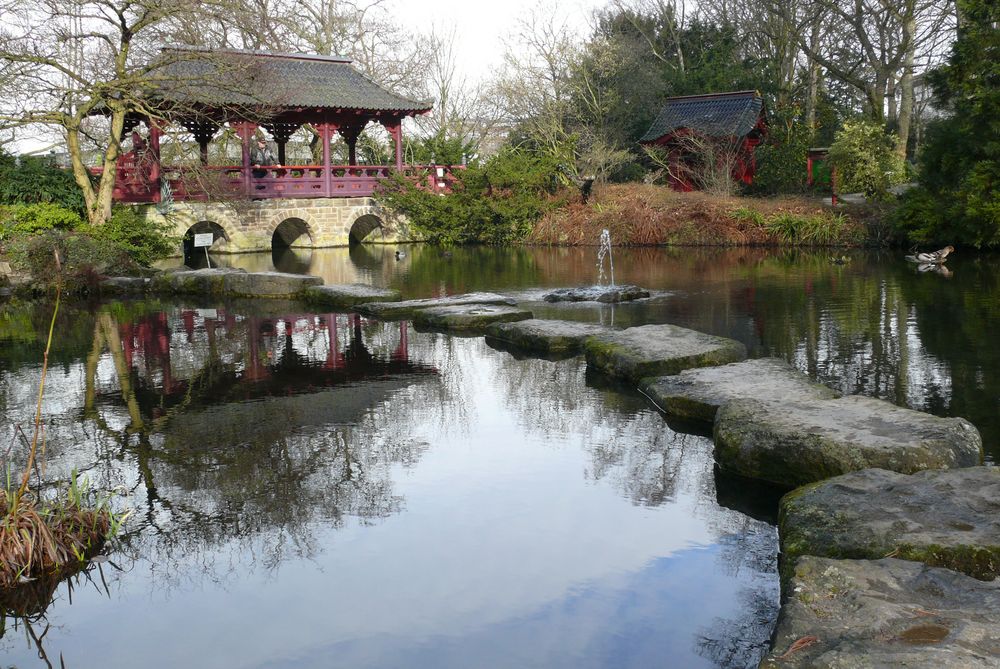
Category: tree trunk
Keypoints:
(813, 95)
(906, 87)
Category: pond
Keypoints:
(322, 490)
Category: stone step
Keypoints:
(944, 518)
(606, 294)
(407, 309)
(548, 337)
(232, 282)
(348, 296)
(696, 394)
(794, 442)
(654, 350)
(467, 317)
(885, 613)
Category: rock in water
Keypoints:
(794, 442)
(944, 518)
(885, 613)
(609, 294)
(652, 350)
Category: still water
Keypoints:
(322, 490)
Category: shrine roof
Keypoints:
(715, 114)
(233, 77)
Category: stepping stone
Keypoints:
(550, 337)
(406, 310)
(653, 350)
(944, 518)
(124, 285)
(469, 317)
(697, 393)
(351, 295)
(234, 282)
(885, 613)
(800, 441)
(608, 294)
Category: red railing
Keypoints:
(138, 182)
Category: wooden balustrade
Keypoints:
(134, 184)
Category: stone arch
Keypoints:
(196, 255)
(364, 224)
(292, 232)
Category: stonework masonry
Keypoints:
(250, 225)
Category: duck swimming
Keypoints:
(935, 258)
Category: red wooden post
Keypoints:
(833, 185)
(395, 129)
(245, 130)
(325, 132)
(809, 170)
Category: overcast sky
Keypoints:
(482, 25)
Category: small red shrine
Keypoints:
(276, 94)
(736, 117)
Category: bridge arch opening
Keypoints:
(364, 226)
(195, 256)
(291, 232)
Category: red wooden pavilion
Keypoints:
(276, 92)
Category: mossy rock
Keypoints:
(885, 613)
(696, 394)
(408, 309)
(793, 443)
(943, 518)
(468, 318)
(547, 337)
(654, 350)
(349, 296)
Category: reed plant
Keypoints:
(41, 536)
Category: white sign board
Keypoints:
(203, 239)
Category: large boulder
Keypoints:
(467, 317)
(944, 518)
(349, 296)
(885, 613)
(548, 337)
(124, 285)
(800, 441)
(652, 350)
(232, 282)
(606, 294)
(698, 393)
(406, 310)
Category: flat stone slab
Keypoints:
(654, 350)
(546, 336)
(235, 282)
(607, 294)
(349, 295)
(407, 309)
(697, 394)
(124, 285)
(468, 317)
(944, 518)
(805, 440)
(886, 613)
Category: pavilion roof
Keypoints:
(715, 114)
(230, 77)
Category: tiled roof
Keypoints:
(715, 115)
(275, 80)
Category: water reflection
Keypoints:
(875, 325)
(401, 499)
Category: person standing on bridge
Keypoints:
(261, 156)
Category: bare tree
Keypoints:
(82, 67)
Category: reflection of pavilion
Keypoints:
(167, 366)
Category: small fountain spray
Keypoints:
(605, 250)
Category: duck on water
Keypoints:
(934, 258)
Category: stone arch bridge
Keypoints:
(261, 225)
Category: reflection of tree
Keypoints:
(240, 434)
